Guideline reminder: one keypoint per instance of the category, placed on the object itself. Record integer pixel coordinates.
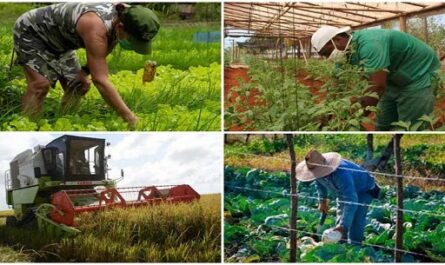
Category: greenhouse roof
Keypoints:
(302, 19)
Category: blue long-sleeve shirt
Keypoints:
(346, 185)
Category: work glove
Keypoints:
(323, 206)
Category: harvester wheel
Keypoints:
(29, 219)
(11, 221)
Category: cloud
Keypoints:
(186, 158)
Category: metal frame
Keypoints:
(300, 20)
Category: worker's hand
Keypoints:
(80, 84)
(132, 121)
(340, 229)
(324, 120)
(354, 99)
(324, 206)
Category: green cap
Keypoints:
(142, 25)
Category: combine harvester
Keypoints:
(55, 183)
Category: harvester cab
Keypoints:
(68, 176)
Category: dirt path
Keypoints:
(231, 77)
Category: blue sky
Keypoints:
(146, 158)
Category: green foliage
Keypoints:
(173, 45)
(422, 154)
(434, 34)
(252, 218)
(286, 104)
(184, 96)
(163, 233)
(176, 100)
(320, 95)
(261, 146)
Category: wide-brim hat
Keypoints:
(317, 165)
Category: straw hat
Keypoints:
(316, 165)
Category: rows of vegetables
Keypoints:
(257, 209)
(185, 93)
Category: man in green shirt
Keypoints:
(400, 68)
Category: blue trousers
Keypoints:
(355, 234)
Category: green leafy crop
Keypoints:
(257, 204)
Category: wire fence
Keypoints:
(389, 207)
(346, 202)
(350, 169)
(299, 195)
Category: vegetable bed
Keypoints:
(257, 209)
(184, 96)
(294, 96)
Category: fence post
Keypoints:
(399, 224)
(370, 145)
(233, 51)
(294, 200)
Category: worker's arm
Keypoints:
(323, 203)
(94, 35)
(378, 85)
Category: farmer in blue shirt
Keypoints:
(332, 173)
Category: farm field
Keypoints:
(292, 74)
(165, 233)
(184, 96)
(257, 201)
(290, 95)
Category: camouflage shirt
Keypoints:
(56, 24)
(45, 39)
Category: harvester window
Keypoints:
(84, 158)
(60, 163)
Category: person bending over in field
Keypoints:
(45, 40)
(400, 68)
(348, 183)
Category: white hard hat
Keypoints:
(324, 34)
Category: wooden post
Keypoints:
(370, 149)
(294, 200)
(402, 21)
(233, 50)
(299, 50)
(399, 224)
(309, 48)
(425, 28)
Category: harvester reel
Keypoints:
(49, 226)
